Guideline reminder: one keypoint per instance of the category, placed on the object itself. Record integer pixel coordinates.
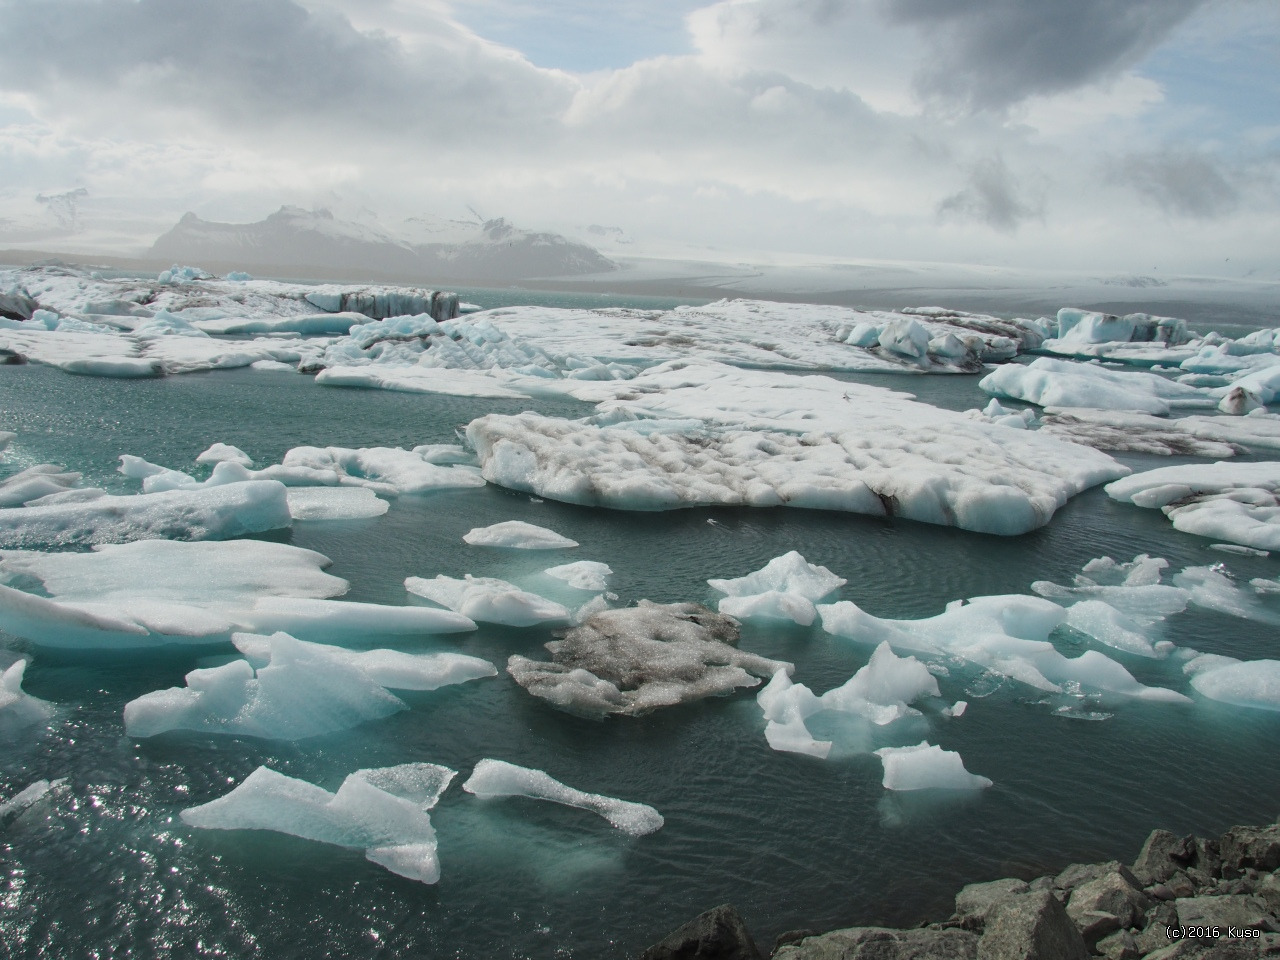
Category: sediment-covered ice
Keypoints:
(1049, 382)
(582, 574)
(701, 434)
(382, 811)
(387, 470)
(18, 708)
(214, 513)
(641, 658)
(1193, 436)
(1236, 502)
(1008, 635)
(497, 778)
(927, 767)
(518, 535)
(335, 503)
(488, 600)
(304, 690)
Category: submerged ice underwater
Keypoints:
(286, 665)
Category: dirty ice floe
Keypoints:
(497, 778)
(879, 692)
(213, 513)
(488, 600)
(927, 767)
(1048, 382)
(686, 435)
(1236, 502)
(304, 690)
(783, 589)
(157, 592)
(582, 574)
(517, 535)
(639, 659)
(382, 811)
(1008, 635)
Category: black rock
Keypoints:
(718, 934)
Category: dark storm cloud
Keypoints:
(989, 54)
(992, 197)
(263, 62)
(1181, 183)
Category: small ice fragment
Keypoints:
(27, 796)
(224, 452)
(927, 767)
(789, 573)
(957, 709)
(517, 534)
(488, 600)
(1237, 549)
(582, 574)
(497, 778)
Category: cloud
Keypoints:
(1182, 183)
(992, 197)
(989, 54)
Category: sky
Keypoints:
(1133, 136)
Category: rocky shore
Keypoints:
(1183, 898)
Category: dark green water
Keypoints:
(108, 870)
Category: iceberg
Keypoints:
(216, 513)
(1235, 502)
(517, 535)
(1007, 635)
(488, 600)
(305, 690)
(642, 658)
(1049, 382)
(927, 767)
(383, 811)
(497, 778)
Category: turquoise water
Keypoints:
(108, 870)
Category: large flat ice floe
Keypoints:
(382, 811)
(208, 513)
(159, 592)
(1236, 502)
(636, 660)
(497, 778)
(303, 690)
(685, 435)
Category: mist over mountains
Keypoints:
(304, 242)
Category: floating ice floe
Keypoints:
(303, 690)
(1249, 683)
(214, 513)
(18, 708)
(582, 574)
(784, 589)
(157, 592)
(35, 482)
(639, 659)
(222, 452)
(879, 693)
(28, 796)
(383, 811)
(335, 503)
(1048, 382)
(1008, 635)
(1236, 502)
(488, 600)
(517, 535)
(309, 323)
(927, 767)
(497, 778)
(703, 434)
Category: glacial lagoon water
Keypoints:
(106, 868)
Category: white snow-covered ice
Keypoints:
(518, 535)
(488, 600)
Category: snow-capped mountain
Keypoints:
(427, 248)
